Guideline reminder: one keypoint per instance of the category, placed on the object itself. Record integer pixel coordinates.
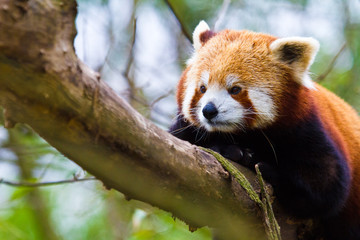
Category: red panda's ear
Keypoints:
(201, 34)
(299, 53)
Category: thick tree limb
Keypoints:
(43, 84)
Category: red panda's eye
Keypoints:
(202, 89)
(235, 90)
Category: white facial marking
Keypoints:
(205, 78)
(231, 80)
(230, 116)
(189, 94)
(264, 106)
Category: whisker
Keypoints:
(179, 130)
(230, 137)
(204, 134)
(197, 133)
(272, 147)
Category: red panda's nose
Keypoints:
(210, 111)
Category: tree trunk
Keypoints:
(43, 84)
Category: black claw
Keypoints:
(234, 153)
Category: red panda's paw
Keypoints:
(244, 156)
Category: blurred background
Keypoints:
(140, 48)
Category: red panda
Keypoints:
(249, 96)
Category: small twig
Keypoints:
(171, 91)
(111, 40)
(270, 220)
(131, 52)
(182, 25)
(152, 106)
(44, 184)
(130, 81)
(331, 65)
(222, 13)
(130, 59)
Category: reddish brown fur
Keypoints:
(243, 98)
(247, 55)
(244, 54)
(343, 123)
(205, 36)
(194, 103)
(181, 89)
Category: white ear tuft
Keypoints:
(200, 28)
(296, 49)
(297, 52)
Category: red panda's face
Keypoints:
(228, 90)
(235, 79)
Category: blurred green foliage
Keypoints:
(147, 78)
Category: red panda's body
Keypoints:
(245, 90)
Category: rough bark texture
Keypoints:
(43, 84)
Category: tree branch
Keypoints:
(43, 84)
(331, 64)
(221, 15)
(186, 33)
(44, 184)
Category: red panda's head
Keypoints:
(241, 79)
